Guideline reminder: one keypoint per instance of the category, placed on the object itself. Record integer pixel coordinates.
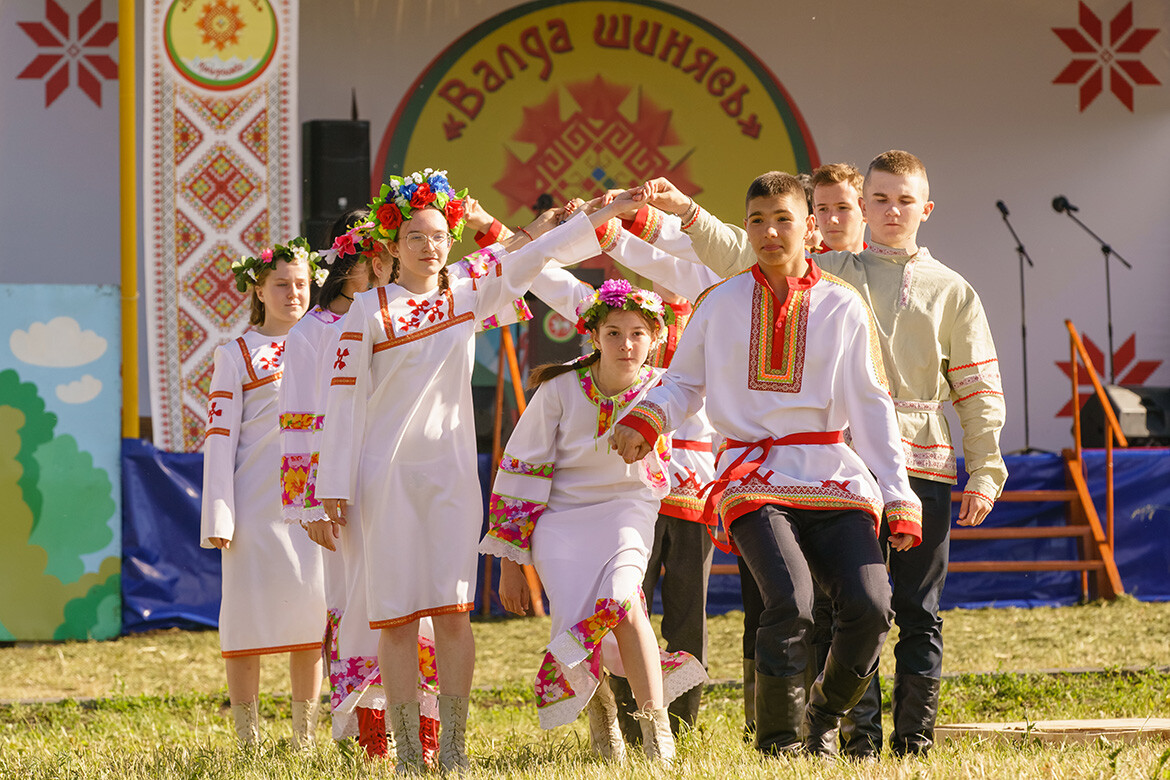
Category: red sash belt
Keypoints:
(690, 444)
(742, 466)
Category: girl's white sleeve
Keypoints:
(300, 420)
(680, 276)
(561, 291)
(498, 283)
(524, 480)
(225, 405)
(345, 406)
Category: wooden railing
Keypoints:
(1095, 542)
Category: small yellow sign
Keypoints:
(220, 44)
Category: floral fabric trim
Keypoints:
(301, 421)
(513, 465)
(609, 406)
(294, 477)
(511, 523)
(484, 261)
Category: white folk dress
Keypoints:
(400, 438)
(564, 502)
(350, 647)
(273, 585)
(782, 381)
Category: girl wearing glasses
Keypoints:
(400, 441)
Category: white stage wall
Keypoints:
(967, 87)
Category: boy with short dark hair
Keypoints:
(787, 358)
(937, 346)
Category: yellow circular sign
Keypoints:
(574, 98)
(221, 44)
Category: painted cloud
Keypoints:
(81, 391)
(59, 343)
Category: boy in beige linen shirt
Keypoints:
(937, 346)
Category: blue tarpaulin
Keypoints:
(167, 580)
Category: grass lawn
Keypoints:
(154, 706)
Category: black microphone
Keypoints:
(1060, 203)
(999, 204)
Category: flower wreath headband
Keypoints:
(358, 240)
(399, 199)
(620, 294)
(247, 269)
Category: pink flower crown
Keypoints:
(399, 199)
(247, 269)
(359, 239)
(620, 294)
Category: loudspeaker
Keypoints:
(552, 338)
(335, 164)
(1142, 411)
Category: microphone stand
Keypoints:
(1106, 251)
(1023, 257)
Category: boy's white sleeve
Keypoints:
(345, 407)
(677, 275)
(524, 480)
(225, 407)
(498, 283)
(873, 425)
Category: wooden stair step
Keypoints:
(1024, 566)
(1034, 532)
(1022, 496)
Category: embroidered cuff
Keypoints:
(905, 517)
(647, 419)
(646, 224)
(511, 522)
(607, 235)
(497, 232)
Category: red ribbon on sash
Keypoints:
(742, 466)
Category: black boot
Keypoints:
(626, 707)
(834, 693)
(749, 700)
(915, 709)
(779, 712)
(861, 727)
(684, 710)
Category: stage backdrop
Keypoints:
(220, 172)
(60, 392)
(1004, 101)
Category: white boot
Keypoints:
(404, 726)
(247, 720)
(657, 740)
(605, 737)
(453, 729)
(304, 723)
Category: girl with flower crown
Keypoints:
(585, 519)
(400, 442)
(357, 262)
(273, 589)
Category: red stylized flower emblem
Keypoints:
(341, 356)
(1094, 56)
(60, 49)
(213, 412)
(1123, 358)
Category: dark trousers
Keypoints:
(753, 607)
(785, 548)
(685, 549)
(918, 576)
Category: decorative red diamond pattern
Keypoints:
(220, 186)
(1097, 55)
(61, 52)
(212, 285)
